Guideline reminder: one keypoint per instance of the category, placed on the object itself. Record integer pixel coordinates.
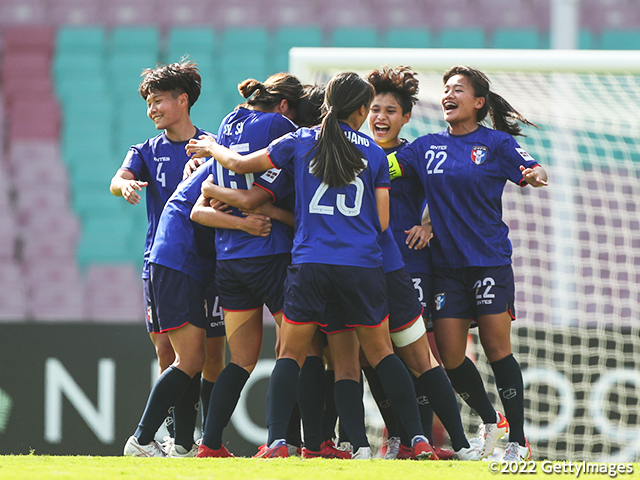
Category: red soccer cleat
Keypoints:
(327, 450)
(443, 453)
(421, 450)
(222, 452)
(277, 449)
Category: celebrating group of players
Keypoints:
(355, 244)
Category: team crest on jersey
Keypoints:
(479, 154)
(438, 301)
(271, 175)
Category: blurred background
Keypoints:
(70, 252)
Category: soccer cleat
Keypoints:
(178, 451)
(404, 453)
(473, 452)
(363, 453)
(443, 453)
(344, 446)
(327, 450)
(133, 449)
(516, 452)
(206, 452)
(421, 450)
(277, 449)
(294, 451)
(490, 433)
(393, 446)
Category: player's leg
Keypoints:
(244, 337)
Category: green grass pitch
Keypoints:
(35, 467)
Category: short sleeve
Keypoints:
(281, 151)
(281, 126)
(134, 163)
(407, 159)
(382, 179)
(512, 156)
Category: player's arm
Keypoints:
(242, 199)
(419, 235)
(204, 214)
(382, 205)
(124, 184)
(275, 213)
(206, 146)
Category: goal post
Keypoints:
(576, 242)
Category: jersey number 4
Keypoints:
(341, 203)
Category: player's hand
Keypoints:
(219, 206)
(191, 166)
(129, 191)
(532, 177)
(201, 147)
(258, 225)
(418, 236)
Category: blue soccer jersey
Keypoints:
(334, 225)
(180, 243)
(160, 162)
(406, 204)
(246, 131)
(464, 177)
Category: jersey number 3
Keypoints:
(341, 204)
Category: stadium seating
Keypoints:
(286, 38)
(521, 38)
(408, 38)
(620, 40)
(354, 37)
(462, 38)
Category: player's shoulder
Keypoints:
(150, 145)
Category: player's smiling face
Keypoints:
(386, 120)
(459, 103)
(163, 109)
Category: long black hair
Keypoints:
(335, 159)
(268, 94)
(503, 116)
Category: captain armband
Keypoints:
(395, 171)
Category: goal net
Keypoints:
(576, 243)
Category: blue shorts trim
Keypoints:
(248, 283)
(473, 291)
(178, 299)
(335, 297)
(404, 306)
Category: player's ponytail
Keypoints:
(266, 96)
(503, 116)
(335, 159)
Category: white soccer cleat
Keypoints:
(393, 447)
(133, 449)
(516, 452)
(490, 433)
(178, 451)
(363, 453)
(345, 447)
(474, 452)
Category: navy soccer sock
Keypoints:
(348, 397)
(511, 390)
(205, 396)
(281, 397)
(435, 385)
(330, 415)
(467, 383)
(311, 401)
(224, 398)
(398, 386)
(383, 402)
(294, 435)
(185, 413)
(164, 395)
(426, 412)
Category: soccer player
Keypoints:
(463, 170)
(156, 166)
(181, 265)
(396, 93)
(341, 187)
(250, 271)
